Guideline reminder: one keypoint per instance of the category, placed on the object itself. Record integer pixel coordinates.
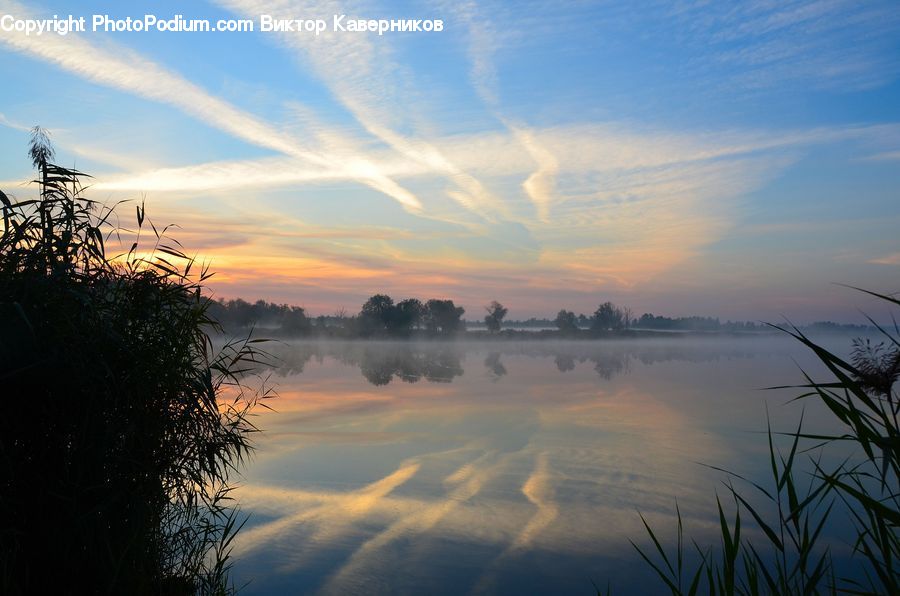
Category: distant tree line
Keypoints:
(380, 316)
(239, 315)
(649, 321)
(608, 317)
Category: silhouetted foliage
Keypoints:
(608, 317)
(532, 322)
(786, 552)
(115, 447)
(379, 315)
(649, 321)
(375, 315)
(406, 316)
(442, 316)
(566, 322)
(239, 316)
(494, 319)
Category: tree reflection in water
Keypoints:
(494, 366)
(381, 362)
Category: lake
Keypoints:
(508, 468)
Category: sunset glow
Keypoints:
(678, 159)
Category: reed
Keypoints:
(790, 513)
(122, 425)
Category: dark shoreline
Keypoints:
(482, 335)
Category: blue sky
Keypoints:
(729, 159)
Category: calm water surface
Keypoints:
(513, 468)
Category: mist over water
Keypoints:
(501, 467)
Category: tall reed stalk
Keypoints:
(121, 425)
(790, 514)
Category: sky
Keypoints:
(729, 159)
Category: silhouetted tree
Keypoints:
(494, 319)
(240, 313)
(608, 317)
(406, 316)
(237, 316)
(378, 307)
(376, 314)
(380, 315)
(649, 321)
(565, 322)
(442, 316)
(294, 320)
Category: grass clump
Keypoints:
(787, 516)
(121, 423)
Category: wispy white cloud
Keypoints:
(366, 79)
(559, 151)
(14, 125)
(540, 185)
(588, 205)
(628, 204)
(483, 40)
(831, 43)
(123, 69)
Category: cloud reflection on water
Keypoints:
(477, 482)
(456, 486)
